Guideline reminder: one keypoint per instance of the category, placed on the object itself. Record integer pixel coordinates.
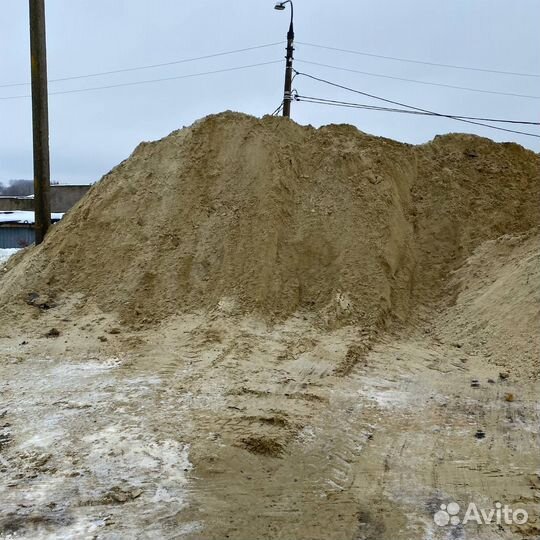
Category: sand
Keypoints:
(297, 317)
(265, 216)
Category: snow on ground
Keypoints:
(24, 216)
(79, 456)
(6, 253)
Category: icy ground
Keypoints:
(6, 253)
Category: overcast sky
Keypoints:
(90, 132)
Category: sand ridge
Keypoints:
(239, 214)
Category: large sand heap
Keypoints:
(243, 214)
(497, 307)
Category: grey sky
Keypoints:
(92, 131)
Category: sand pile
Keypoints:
(240, 214)
(497, 307)
(468, 190)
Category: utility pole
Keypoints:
(287, 95)
(40, 120)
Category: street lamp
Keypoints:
(287, 96)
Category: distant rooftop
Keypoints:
(22, 217)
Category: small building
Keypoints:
(62, 198)
(17, 228)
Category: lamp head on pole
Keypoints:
(288, 94)
(280, 6)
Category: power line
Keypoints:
(150, 66)
(323, 101)
(419, 82)
(386, 109)
(135, 83)
(278, 109)
(452, 66)
(414, 108)
(347, 104)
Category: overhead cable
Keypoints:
(150, 66)
(135, 83)
(311, 99)
(416, 81)
(412, 107)
(278, 109)
(437, 64)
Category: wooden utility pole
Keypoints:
(40, 119)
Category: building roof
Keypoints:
(21, 216)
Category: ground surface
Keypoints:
(230, 429)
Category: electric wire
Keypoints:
(311, 99)
(278, 110)
(412, 107)
(451, 66)
(150, 66)
(469, 89)
(135, 83)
